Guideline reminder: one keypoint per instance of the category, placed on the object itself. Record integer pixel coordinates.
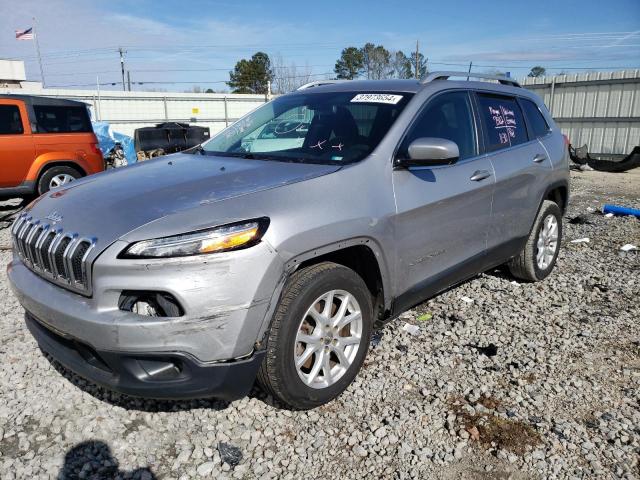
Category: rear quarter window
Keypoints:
(502, 120)
(537, 124)
(62, 119)
(10, 121)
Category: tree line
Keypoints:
(375, 62)
(372, 62)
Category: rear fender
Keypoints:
(50, 159)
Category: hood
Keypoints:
(110, 204)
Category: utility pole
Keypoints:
(470, 65)
(417, 58)
(122, 52)
(129, 80)
(98, 114)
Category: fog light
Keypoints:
(144, 308)
(150, 304)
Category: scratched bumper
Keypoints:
(225, 298)
(150, 375)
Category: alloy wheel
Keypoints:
(547, 242)
(59, 180)
(328, 339)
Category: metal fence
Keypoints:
(126, 111)
(599, 109)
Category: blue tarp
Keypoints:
(107, 139)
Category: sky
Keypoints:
(197, 42)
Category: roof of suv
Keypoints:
(37, 100)
(392, 85)
(411, 86)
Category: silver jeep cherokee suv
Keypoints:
(272, 249)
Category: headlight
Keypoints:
(219, 239)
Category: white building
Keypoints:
(12, 75)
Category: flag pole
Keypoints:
(35, 36)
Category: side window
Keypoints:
(57, 119)
(446, 116)
(536, 120)
(10, 122)
(502, 120)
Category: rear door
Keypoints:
(521, 166)
(443, 212)
(16, 145)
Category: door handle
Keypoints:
(539, 158)
(479, 175)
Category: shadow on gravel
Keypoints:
(8, 213)
(501, 272)
(133, 403)
(93, 460)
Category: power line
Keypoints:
(178, 82)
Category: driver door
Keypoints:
(443, 212)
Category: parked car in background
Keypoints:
(210, 268)
(44, 143)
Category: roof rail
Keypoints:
(445, 75)
(317, 83)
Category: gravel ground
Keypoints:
(503, 380)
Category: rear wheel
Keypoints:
(56, 177)
(319, 336)
(538, 257)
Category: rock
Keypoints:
(359, 451)
(229, 454)
(380, 432)
(205, 468)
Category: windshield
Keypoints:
(338, 127)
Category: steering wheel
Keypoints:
(286, 126)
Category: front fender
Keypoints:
(294, 263)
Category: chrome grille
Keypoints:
(58, 256)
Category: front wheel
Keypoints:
(319, 336)
(538, 257)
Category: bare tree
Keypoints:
(288, 77)
(377, 62)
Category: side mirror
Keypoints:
(427, 151)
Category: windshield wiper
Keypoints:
(198, 149)
(256, 156)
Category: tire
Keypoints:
(63, 171)
(527, 265)
(279, 375)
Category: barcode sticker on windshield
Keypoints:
(376, 98)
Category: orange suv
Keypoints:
(44, 143)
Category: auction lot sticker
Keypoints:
(376, 98)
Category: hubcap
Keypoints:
(60, 180)
(328, 339)
(547, 242)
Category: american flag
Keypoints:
(24, 34)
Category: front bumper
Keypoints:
(151, 375)
(225, 299)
